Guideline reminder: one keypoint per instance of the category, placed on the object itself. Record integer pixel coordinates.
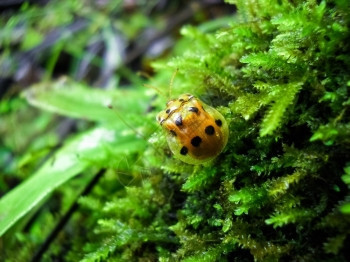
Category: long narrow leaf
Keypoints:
(95, 145)
(73, 99)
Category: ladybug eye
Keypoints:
(170, 102)
(193, 109)
(167, 111)
(178, 121)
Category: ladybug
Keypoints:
(195, 132)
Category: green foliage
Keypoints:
(128, 221)
(345, 208)
(93, 147)
(279, 191)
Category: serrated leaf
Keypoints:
(282, 184)
(211, 254)
(198, 180)
(292, 216)
(285, 97)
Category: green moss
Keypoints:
(276, 191)
(284, 68)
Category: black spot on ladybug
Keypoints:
(184, 151)
(178, 121)
(196, 141)
(181, 100)
(167, 111)
(169, 102)
(209, 130)
(218, 122)
(173, 133)
(193, 109)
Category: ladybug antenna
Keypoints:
(172, 81)
(126, 123)
(155, 88)
(143, 136)
(148, 77)
(144, 74)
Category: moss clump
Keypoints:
(276, 193)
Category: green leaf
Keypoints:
(31, 39)
(227, 225)
(345, 208)
(211, 254)
(94, 146)
(286, 95)
(346, 178)
(331, 133)
(74, 99)
(334, 244)
(248, 104)
(198, 180)
(282, 184)
(295, 215)
(248, 198)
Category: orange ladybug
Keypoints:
(195, 132)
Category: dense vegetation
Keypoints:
(111, 190)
